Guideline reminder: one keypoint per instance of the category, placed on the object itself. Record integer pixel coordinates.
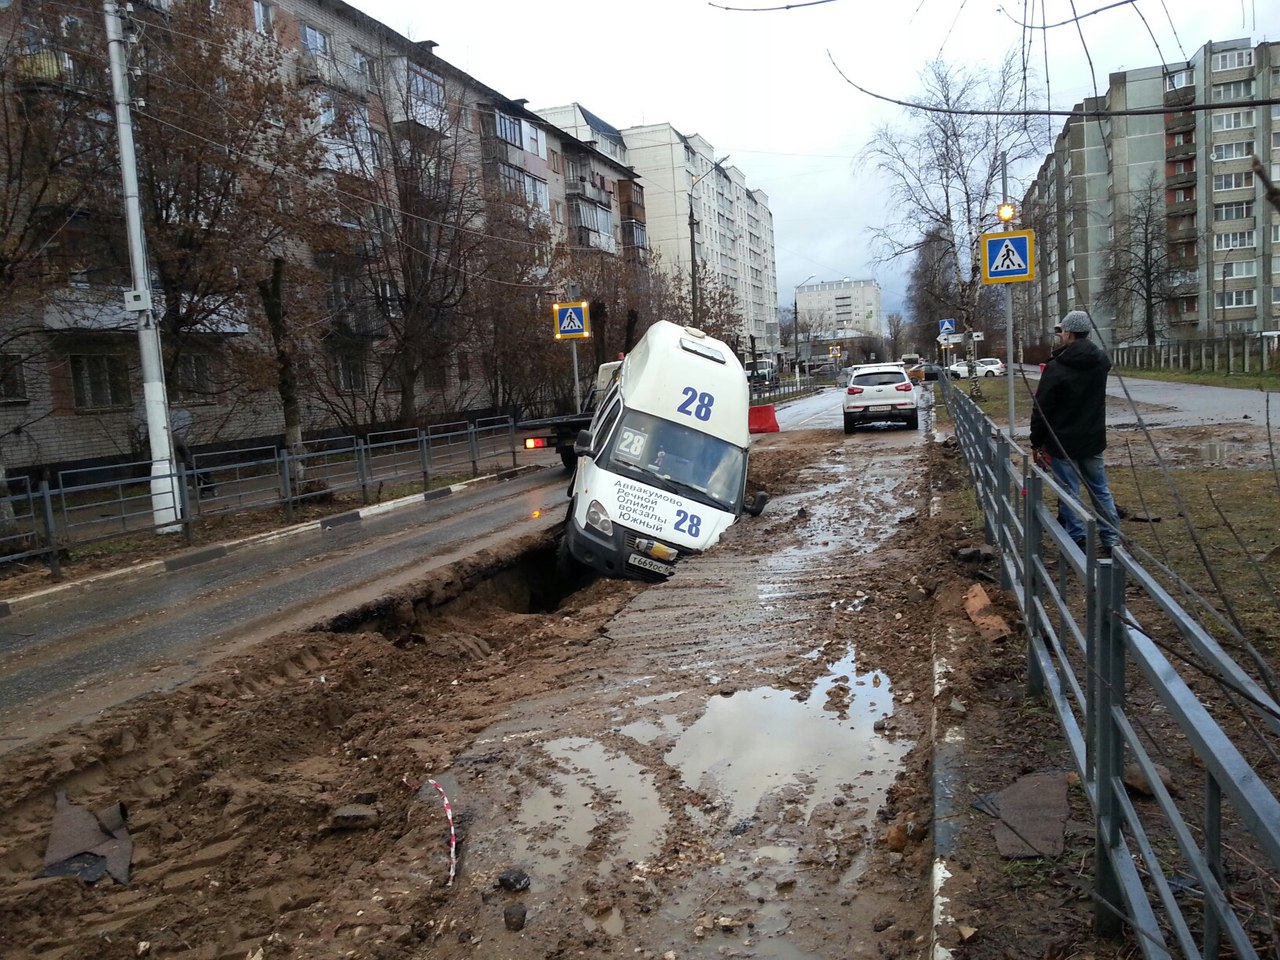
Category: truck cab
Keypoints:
(662, 469)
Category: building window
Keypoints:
(1233, 120)
(1190, 304)
(557, 211)
(1180, 78)
(553, 161)
(1235, 240)
(426, 97)
(1275, 233)
(13, 385)
(1275, 295)
(1236, 90)
(1179, 196)
(1233, 150)
(1184, 166)
(1240, 210)
(1231, 271)
(348, 372)
(1179, 140)
(1233, 181)
(1232, 60)
(315, 42)
(99, 381)
(1234, 298)
(264, 18)
(509, 129)
(192, 378)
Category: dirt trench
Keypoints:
(731, 764)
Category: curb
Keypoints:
(199, 555)
(946, 778)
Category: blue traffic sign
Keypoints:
(1009, 256)
(573, 321)
(946, 326)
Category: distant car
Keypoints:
(987, 367)
(880, 392)
(922, 372)
(824, 369)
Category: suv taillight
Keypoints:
(904, 387)
(854, 391)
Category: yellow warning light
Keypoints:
(1006, 212)
(537, 514)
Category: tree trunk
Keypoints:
(272, 293)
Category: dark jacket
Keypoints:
(1071, 402)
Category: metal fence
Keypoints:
(1188, 870)
(40, 521)
(1242, 353)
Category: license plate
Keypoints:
(647, 563)
(884, 406)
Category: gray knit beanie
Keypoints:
(1077, 321)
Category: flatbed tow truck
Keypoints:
(561, 432)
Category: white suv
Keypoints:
(879, 392)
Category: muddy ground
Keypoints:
(734, 764)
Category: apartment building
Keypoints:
(1186, 169)
(732, 226)
(852, 307)
(407, 144)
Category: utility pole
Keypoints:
(164, 489)
(1008, 299)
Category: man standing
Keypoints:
(1069, 425)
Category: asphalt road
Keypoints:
(58, 659)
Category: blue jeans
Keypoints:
(1069, 473)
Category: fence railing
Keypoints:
(1135, 680)
(1241, 353)
(39, 521)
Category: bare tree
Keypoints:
(53, 152)
(895, 330)
(945, 173)
(1139, 278)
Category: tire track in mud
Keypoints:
(592, 746)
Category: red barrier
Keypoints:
(762, 419)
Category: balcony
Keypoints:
(634, 234)
(1183, 234)
(494, 149)
(320, 69)
(1179, 151)
(582, 187)
(1181, 208)
(586, 237)
(1180, 96)
(46, 68)
(1179, 123)
(1185, 179)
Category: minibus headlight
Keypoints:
(599, 519)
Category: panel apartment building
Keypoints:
(733, 226)
(1185, 168)
(838, 314)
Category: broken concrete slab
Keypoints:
(1032, 815)
(88, 844)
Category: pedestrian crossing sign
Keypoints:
(1008, 256)
(573, 321)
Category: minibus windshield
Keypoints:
(704, 467)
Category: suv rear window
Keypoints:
(879, 378)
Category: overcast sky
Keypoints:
(762, 88)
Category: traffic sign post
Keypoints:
(573, 323)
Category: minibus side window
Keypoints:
(604, 426)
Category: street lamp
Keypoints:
(693, 246)
(795, 318)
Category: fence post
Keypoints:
(184, 503)
(50, 530)
(286, 486)
(424, 458)
(473, 447)
(362, 469)
(1106, 642)
(1000, 487)
(511, 439)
